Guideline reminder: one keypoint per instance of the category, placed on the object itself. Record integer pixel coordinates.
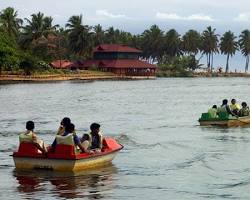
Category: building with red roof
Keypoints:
(119, 59)
(61, 64)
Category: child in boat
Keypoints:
(65, 121)
(224, 108)
(85, 141)
(234, 106)
(69, 131)
(213, 112)
(96, 138)
(30, 136)
(244, 111)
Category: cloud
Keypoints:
(174, 16)
(243, 17)
(107, 15)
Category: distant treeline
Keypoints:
(30, 43)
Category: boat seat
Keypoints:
(28, 149)
(205, 116)
(63, 151)
(223, 115)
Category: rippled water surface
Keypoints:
(167, 155)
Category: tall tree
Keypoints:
(244, 43)
(209, 45)
(10, 22)
(37, 30)
(99, 35)
(152, 43)
(191, 42)
(112, 35)
(80, 37)
(173, 43)
(228, 46)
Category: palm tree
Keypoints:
(135, 41)
(10, 22)
(99, 35)
(228, 46)
(80, 37)
(191, 42)
(209, 42)
(125, 37)
(244, 43)
(112, 35)
(152, 43)
(37, 30)
(173, 43)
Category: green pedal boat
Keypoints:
(224, 120)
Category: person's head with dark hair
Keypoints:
(233, 101)
(70, 128)
(65, 121)
(214, 106)
(244, 104)
(30, 125)
(95, 128)
(224, 102)
(85, 137)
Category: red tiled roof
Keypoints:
(122, 63)
(115, 48)
(63, 64)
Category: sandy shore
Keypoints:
(69, 77)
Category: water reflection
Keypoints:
(94, 184)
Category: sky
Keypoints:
(137, 15)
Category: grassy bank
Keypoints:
(57, 75)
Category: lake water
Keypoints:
(167, 155)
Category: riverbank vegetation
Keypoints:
(28, 45)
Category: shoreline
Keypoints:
(220, 74)
(57, 78)
(95, 77)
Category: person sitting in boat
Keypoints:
(96, 138)
(224, 108)
(244, 111)
(30, 136)
(85, 141)
(68, 134)
(65, 121)
(213, 112)
(234, 106)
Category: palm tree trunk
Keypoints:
(212, 61)
(227, 67)
(247, 62)
(208, 61)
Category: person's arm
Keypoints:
(60, 130)
(40, 148)
(229, 111)
(37, 145)
(100, 141)
(84, 149)
(78, 143)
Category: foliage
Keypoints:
(80, 37)
(209, 45)
(39, 41)
(228, 46)
(28, 64)
(244, 43)
(178, 66)
(9, 56)
(94, 68)
(10, 22)
(191, 42)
